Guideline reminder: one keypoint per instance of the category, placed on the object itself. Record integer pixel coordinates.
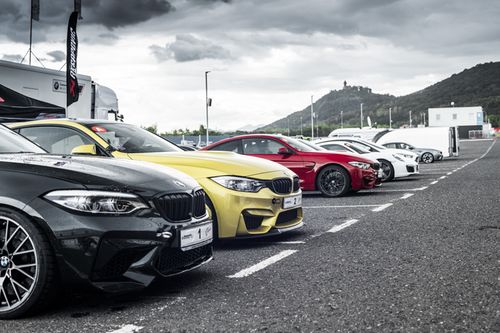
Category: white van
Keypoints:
(444, 139)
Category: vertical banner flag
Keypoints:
(71, 54)
(78, 8)
(35, 10)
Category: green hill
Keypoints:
(477, 86)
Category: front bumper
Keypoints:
(119, 253)
(364, 179)
(245, 214)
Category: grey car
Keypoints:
(426, 155)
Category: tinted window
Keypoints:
(132, 139)
(390, 145)
(234, 146)
(261, 146)
(334, 147)
(11, 142)
(56, 140)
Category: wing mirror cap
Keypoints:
(84, 150)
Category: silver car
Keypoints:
(426, 155)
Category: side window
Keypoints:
(56, 140)
(390, 145)
(261, 146)
(334, 147)
(234, 146)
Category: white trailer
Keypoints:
(95, 101)
(444, 139)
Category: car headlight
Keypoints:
(240, 184)
(97, 202)
(361, 165)
(406, 156)
(399, 158)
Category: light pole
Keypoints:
(424, 119)
(410, 118)
(312, 118)
(206, 101)
(301, 134)
(361, 109)
(317, 125)
(288, 125)
(341, 119)
(390, 118)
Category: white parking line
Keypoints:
(406, 190)
(381, 208)
(343, 206)
(449, 173)
(407, 195)
(263, 264)
(289, 242)
(128, 329)
(434, 182)
(339, 227)
(442, 177)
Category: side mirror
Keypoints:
(284, 151)
(84, 150)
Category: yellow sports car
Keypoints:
(247, 196)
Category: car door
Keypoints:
(269, 149)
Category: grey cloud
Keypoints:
(56, 56)
(189, 48)
(12, 57)
(420, 24)
(14, 15)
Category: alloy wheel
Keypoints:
(18, 264)
(333, 182)
(427, 158)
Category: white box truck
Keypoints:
(48, 85)
(444, 139)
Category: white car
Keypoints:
(393, 165)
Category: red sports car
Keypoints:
(334, 174)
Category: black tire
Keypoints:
(388, 170)
(215, 222)
(427, 158)
(21, 295)
(333, 181)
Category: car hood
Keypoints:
(203, 164)
(95, 172)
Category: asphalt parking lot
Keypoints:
(417, 254)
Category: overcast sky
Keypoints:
(266, 57)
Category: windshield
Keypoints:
(132, 139)
(312, 145)
(373, 144)
(297, 145)
(11, 142)
(357, 148)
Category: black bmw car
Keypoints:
(109, 223)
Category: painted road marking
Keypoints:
(344, 206)
(407, 195)
(403, 190)
(288, 242)
(449, 173)
(434, 182)
(339, 227)
(381, 208)
(128, 329)
(263, 264)
(442, 177)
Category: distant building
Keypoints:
(465, 118)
